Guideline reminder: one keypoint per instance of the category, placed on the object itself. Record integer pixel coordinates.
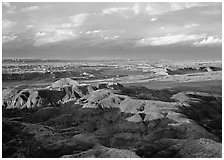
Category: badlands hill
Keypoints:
(70, 120)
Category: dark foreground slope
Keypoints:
(114, 121)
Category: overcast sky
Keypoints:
(112, 30)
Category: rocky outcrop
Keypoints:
(102, 98)
(20, 99)
(72, 88)
(64, 82)
(7, 96)
(36, 98)
(61, 91)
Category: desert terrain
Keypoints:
(111, 109)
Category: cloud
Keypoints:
(30, 26)
(42, 38)
(115, 10)
(210, 40)
(168, 40)
(10, 8)
(71, 22)
(66, 25)
(123, 11)
(31, 8)
(60, 32)
(158, 9)
(150, 8)
(111, 38)
(95, 31)
(6, 4)
(7, 26)
(6, 39)
(136, 9)
(185, 5)
(78, 19)
(40, 34)
(153, 19)
(153, 10)
(191, 25)
(102, 35)
(217, 11)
